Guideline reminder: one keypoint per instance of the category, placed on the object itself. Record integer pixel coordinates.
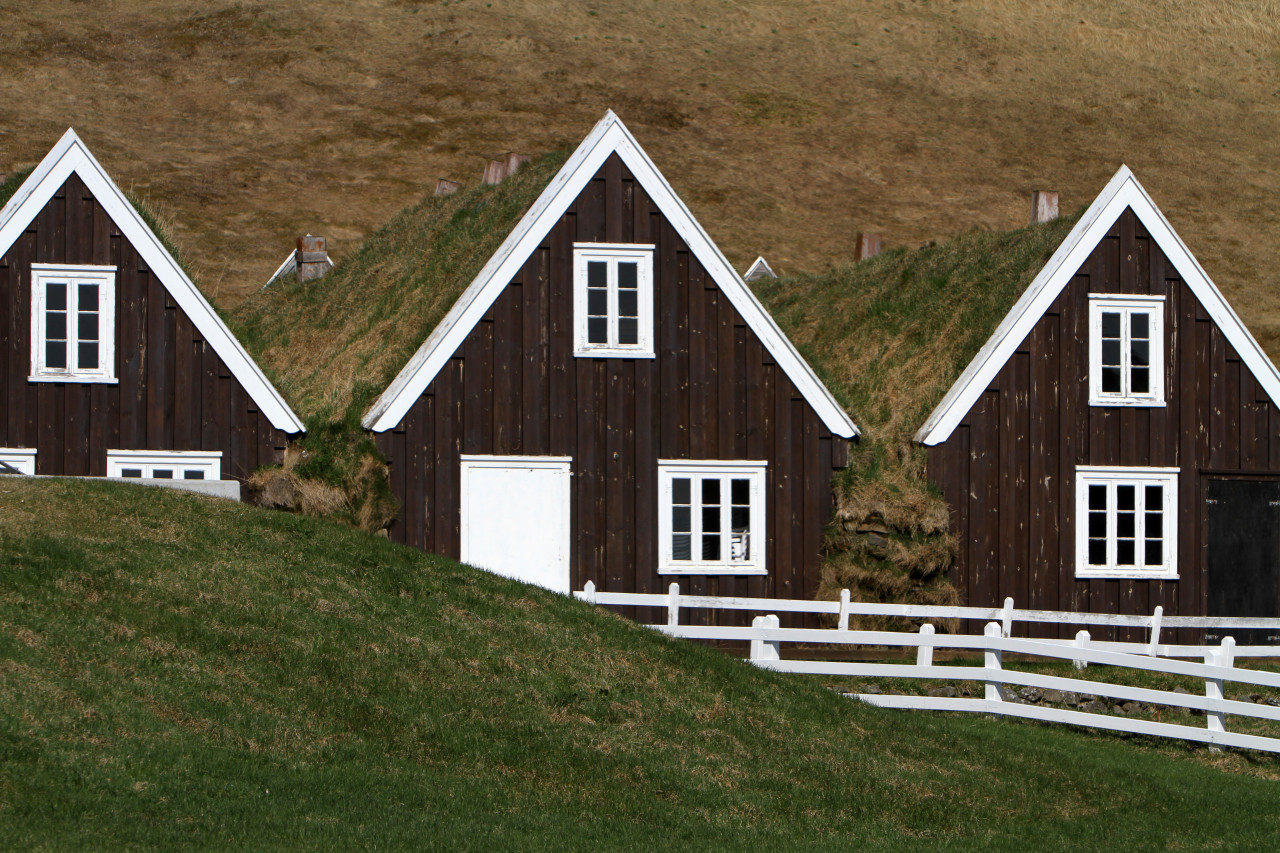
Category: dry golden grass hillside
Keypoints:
(786, 126)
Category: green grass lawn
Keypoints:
(181, 672)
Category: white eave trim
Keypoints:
(1122, 191)
(609, 136)
(70, 155)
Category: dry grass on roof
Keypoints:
(889, 336)
(333, 344)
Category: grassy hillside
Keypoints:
(787, 129)
(179, 672)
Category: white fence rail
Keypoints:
(1218, 667)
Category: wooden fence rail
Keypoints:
(766, 637)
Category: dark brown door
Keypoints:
(1243, 554)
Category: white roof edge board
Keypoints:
(607, 137)
(71, 155)
(1122, 191)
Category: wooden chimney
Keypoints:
(868, 246)
(312, 258)
(1044, 206)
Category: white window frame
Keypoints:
(613, 253)
(73, 275)
(669, 470)
(1126, 305)
(1087, 475)
(22, 458)
(180, 461)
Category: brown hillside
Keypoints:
(786, 127)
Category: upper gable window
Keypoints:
(1126, 350)
(613, 299)
(73, 323)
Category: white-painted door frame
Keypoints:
(560, 579)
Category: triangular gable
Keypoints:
(609, 136)
(70, 155)
(760, 269)
(1123, 191)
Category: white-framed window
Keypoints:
(165, 464)
(20, 459)
(711, 517)
(613, 299)
(73, 322)
(1126, 350)
(1126, 522)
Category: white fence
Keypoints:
(1218, 667)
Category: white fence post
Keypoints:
(1008, 617)
(1082, 641)
(589, 592)
(993, 660)
(673, 604)
(1224, 655)
(844, 610)
(924, 653)
(1155, 629)
(765, 649)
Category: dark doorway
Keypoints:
(1244, 555)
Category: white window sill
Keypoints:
(1132, 402)
(72, 377)
(614, 353)
(1134, 575)
(717, 569)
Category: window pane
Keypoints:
(680, 546)
(741, 491)
(1155, 525)
(1098, 525)
(1140, 353)
(1110, 324)
(1154, 553)
(1139, 324)
(1141, 380)
(628, 301)
(1124, 552)
(711, 519)
(597, 330)
(627, 275)
(681, 518)
(193, 475)
(740, 546)
(597, 302)
(1111, 380)
(131, 472)
(710, 491)
(87, 358)
(597, 274)
(162, 474)
(628, 331)
(55, 354)
(1111, 353)
(87, 327)
(88, 297)
(740, 518)
(711, 547)
(55, 326)
(1155, 498)
(1126, 524)
(1125, 496)
(1097, 497)
(1097, 552)
(56, 297)
(680, 490)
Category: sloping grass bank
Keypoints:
(178, 672)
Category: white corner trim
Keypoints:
(1123, 190)
(609, 136)
(70, 155)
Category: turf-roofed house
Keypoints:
(112, 363)
(607, 401)
(1115, 446)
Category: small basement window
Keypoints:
(1126, 350)
(73, 323)
(164, 465)
(1126, 522)
(711, 517)
(613, 299)
(19, 459)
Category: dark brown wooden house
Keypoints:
(111, 361)
(608, 401)
(1116, 444)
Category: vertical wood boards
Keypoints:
(1008, 470)
(170, 392)
(712, 392)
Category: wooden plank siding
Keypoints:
(172, 390)
(712, 392)
(1008, 470)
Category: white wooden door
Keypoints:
(515, 517)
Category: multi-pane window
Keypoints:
(1126, 522)
(17, 460)
(1126, 350)
(164, 465)
(613, 299)
(72, 323)
(711, 517)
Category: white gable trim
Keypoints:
(760, 269)
(609, 136)
(70, 155)
(1122, 191)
